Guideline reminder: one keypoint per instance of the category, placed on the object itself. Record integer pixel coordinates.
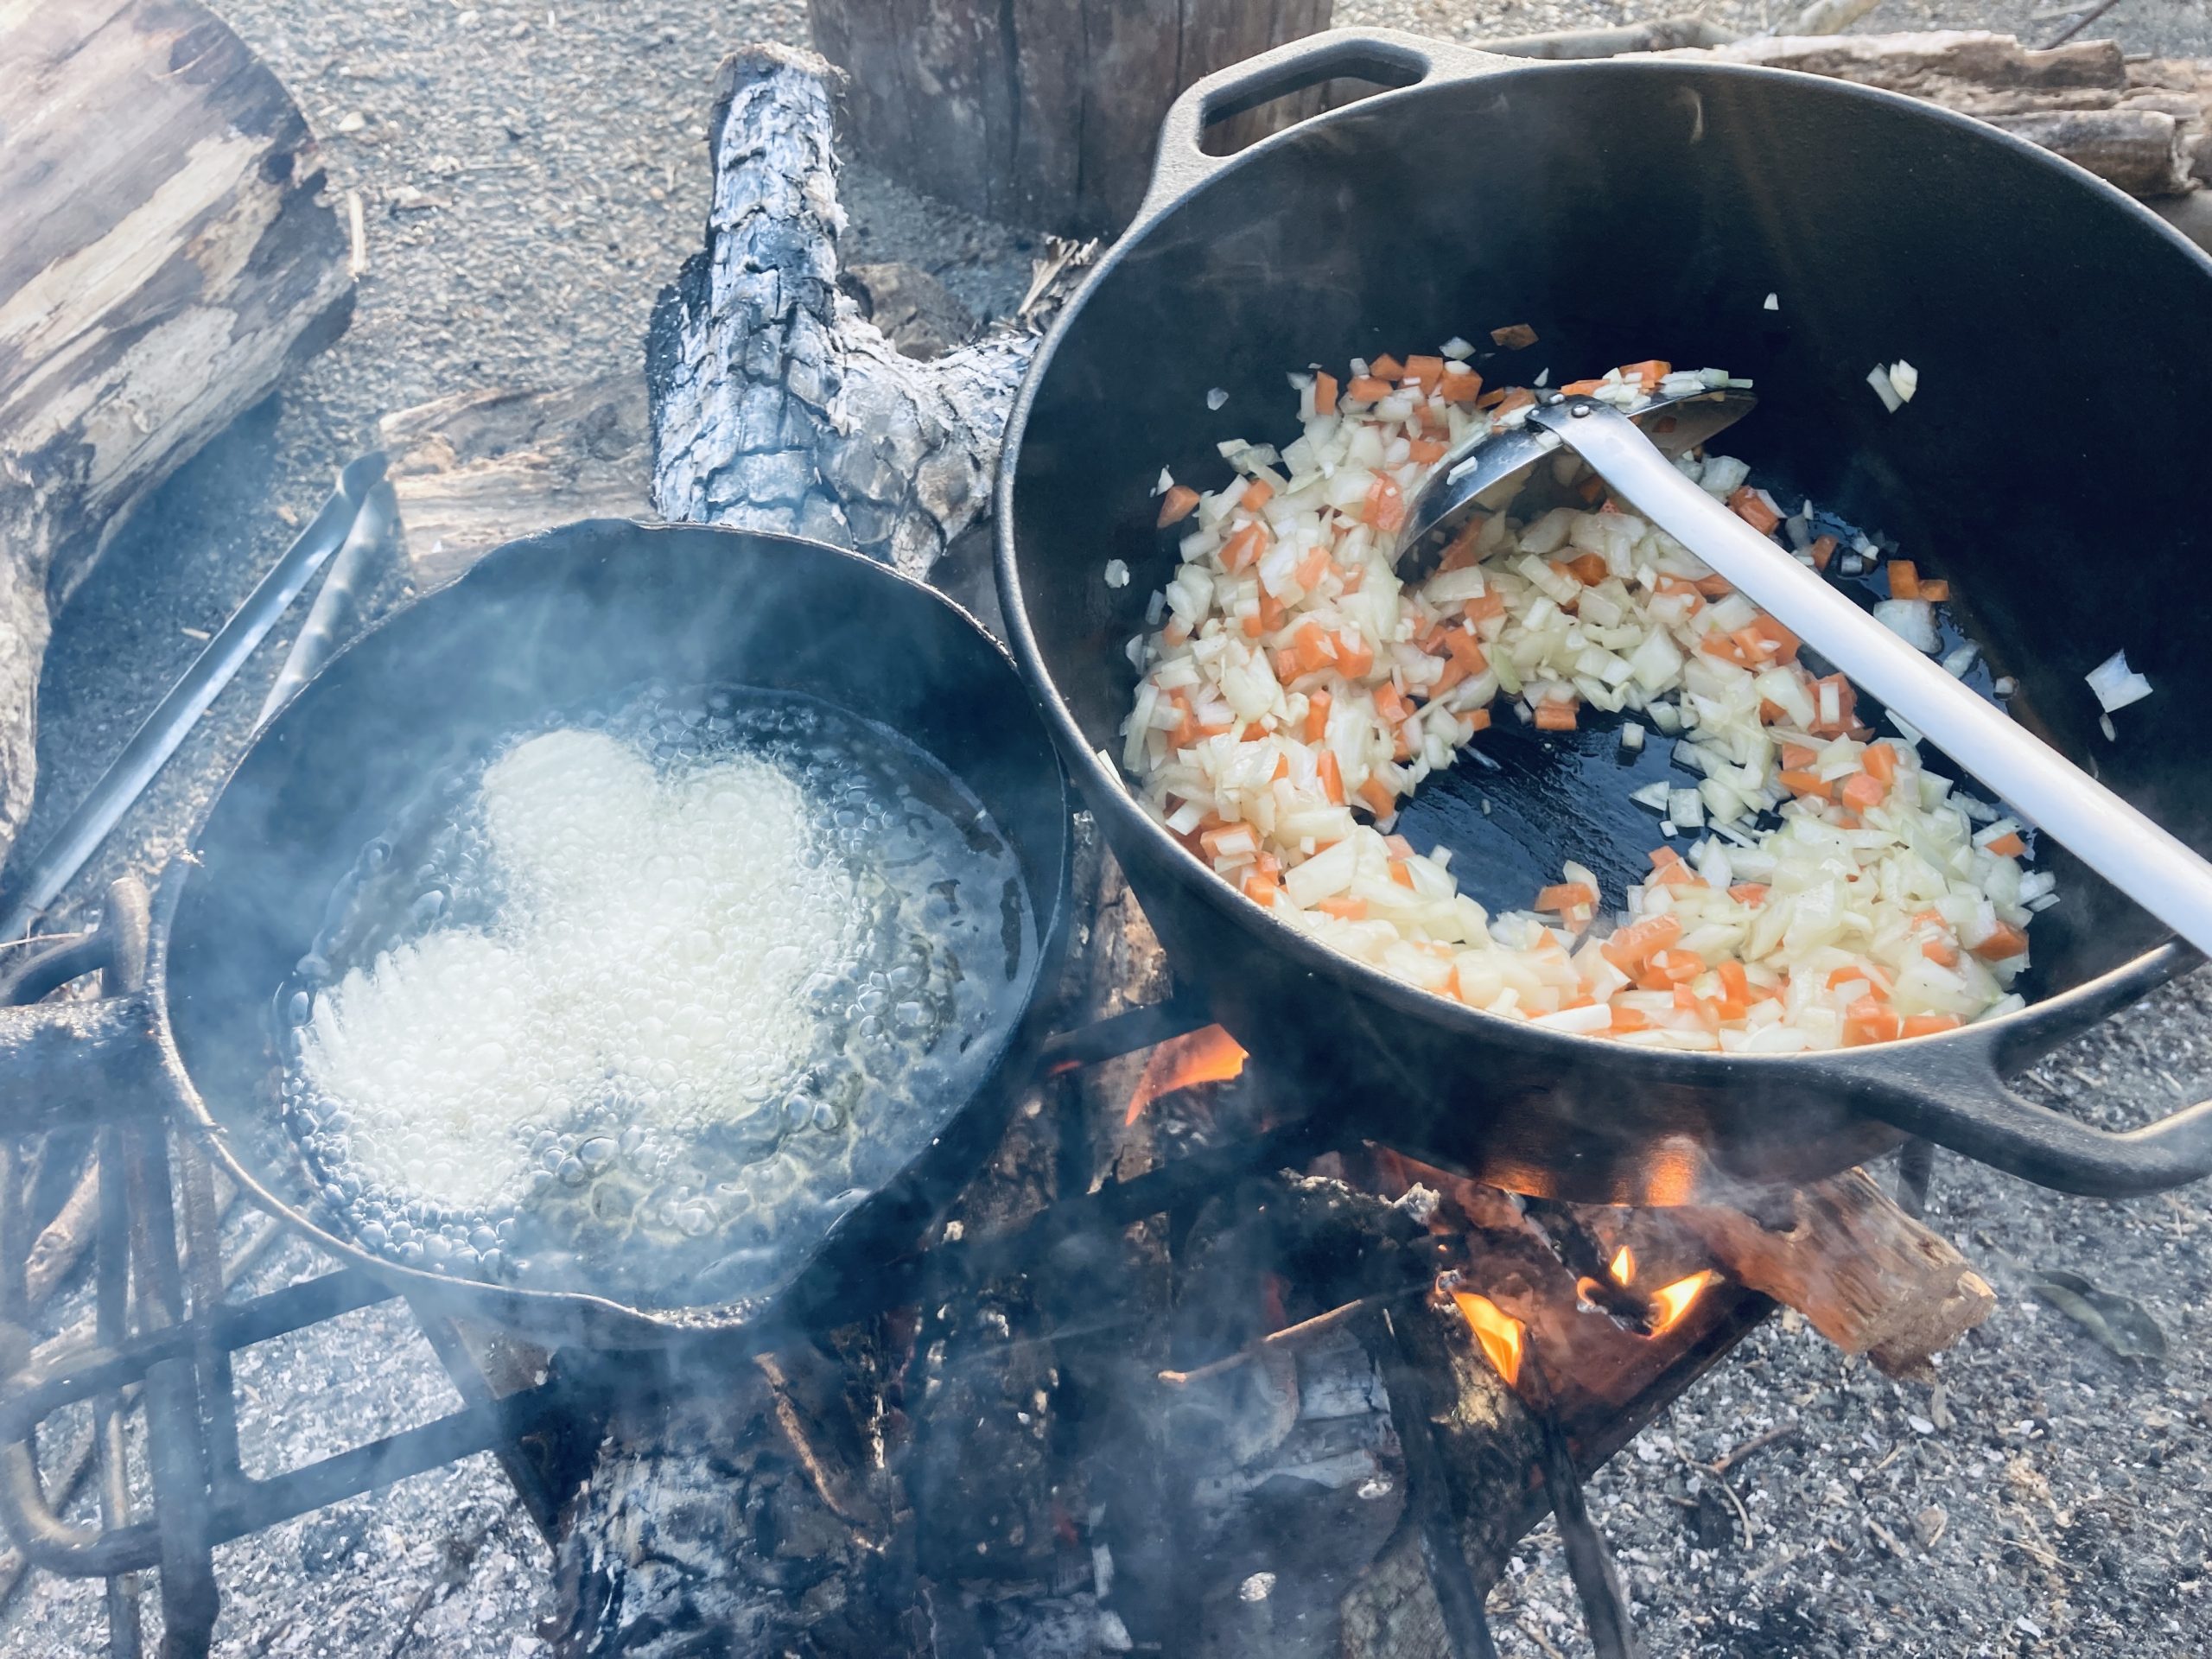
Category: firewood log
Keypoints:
(167, 257)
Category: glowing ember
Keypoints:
(1499, 1333)
(1624, 1267)
(1207, 1055)
(1674, 1300)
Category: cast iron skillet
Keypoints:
(1628, 209)
(559, 619)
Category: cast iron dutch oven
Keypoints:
(1630, 209)
(564, 620)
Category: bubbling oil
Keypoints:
(640, 1002)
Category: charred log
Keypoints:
(776, 406)
(167, 259)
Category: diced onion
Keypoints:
(2116, 685)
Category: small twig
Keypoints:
(1889, 1538)
(2080, 24)
(357, 231)
(1536, 1636)
(1727, 1460)
(1289, 1334)
(1711, 1472)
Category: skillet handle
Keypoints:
(1395, 59)
(78, 1062)
(1950, 1093)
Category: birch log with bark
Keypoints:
(164, 257)
(776, 406)
(1041, 112)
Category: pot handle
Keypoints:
(1396, 59)
(63, 1062)
(1949, 1092)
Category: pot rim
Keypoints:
(2006, 1041)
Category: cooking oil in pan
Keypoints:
(640, 1002)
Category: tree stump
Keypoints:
(164, 259)
(1039, 112)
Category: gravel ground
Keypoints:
(531, 176)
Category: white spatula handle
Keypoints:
(2143, 861)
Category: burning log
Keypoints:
(775, 405)
(1042, 115)
(168, 259)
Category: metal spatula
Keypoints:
(2143, 861)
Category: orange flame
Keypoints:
(1500, 1333)
(1624, 1267)
(1210, 1055)
(1675, 1300)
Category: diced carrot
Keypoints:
(2008, 845)
(1749, 892)
(1477, 719)
(1262, 889)
(1588, 569)
(1769, 641)
(1591, 487)
(1935, 592)
(1942, 952)
(1367, 389)
(2007, 942)
(1868, 1021)
(1734, 983)
(1378, 795)
(1822, 550)
(1386, 367)
(1232, 841)
(1580, 388)
(1272, 613)
(1462, 388)
(1177, 504)
(1387, 703)
(1176, 632)
(1385, 508)
(1253, 732)
(1343, 906)
(1426, 372)
(1354, 657)
(1723, 645)
(1634, 944)
(1317, 716)
(1482, 606)
(1256, 495)
(1862, 789)
(1312, 569)
(1253, 627)
(1315, 649)
(1553, 716)
(1846, 973)
(1805, 783)
(1427, 451)
(1881, 762)
(1324, 393)
(1461, 552)
(1675, 966)
(1518, 398)
(1847, 699)
(1284, 662)
(1453, 674)
(1715, 587)
(1648, 373)
(1676, 874)
(1332, 775)
(1629, 1020)
(1466, 651)
(1748, 505)
(1244, 548)
(1905, 579)
(1927, 1025)
(1400, 873)
(1282, 768)
(1399, 847)
(1797, 758)
(1563, 896)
